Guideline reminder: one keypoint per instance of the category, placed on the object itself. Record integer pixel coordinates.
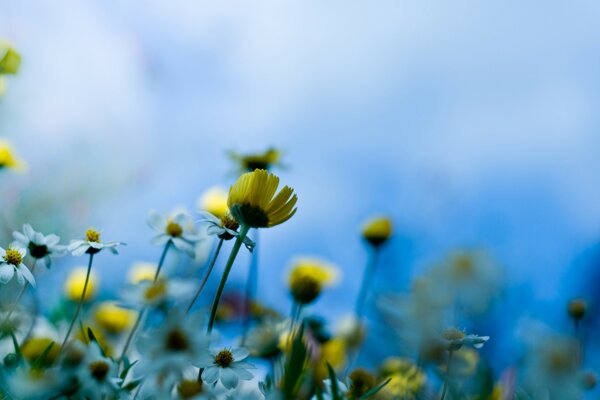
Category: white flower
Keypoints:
(457, 339)
(155, 294)
(174, 345)
(40, 246)
(226, 366)
(11, 261)
(92, 244)
(33, 383)
(97, 375)
(177, 229)
(224, 228)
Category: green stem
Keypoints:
(162, 259)
(366, 282)
(234, 251)
(445, 389)
(206, 276)
(19, 296)
(81, 299)
(251, 285)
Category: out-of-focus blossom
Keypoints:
(112, 318)
(214, 201)
(263, 340)
(308, 276)
(92, 244)
(455, 339)
(148, 293)
(406, 379)
(377, 230)
(10, 59)
(249, 162)
(177, 229)
(226, 366)
(351, 330)
(8, 157)
(97, 375)
(41, 247)
(142, 271)
(75, 282)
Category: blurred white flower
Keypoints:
(11, 263)
(97, 375)
(177, 229)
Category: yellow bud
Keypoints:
(75, 282)
(214, 200)
(113, 318)
(377, 230)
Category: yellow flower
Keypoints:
(252, 200)
(308, 276)
(142, 271)
(214, 200)
(9, 59)
(34, 347)
(8, 158)
(75, 282)
(406, 379)
(377, 230)
(250, 162)
(576, 309)
(332, 352)
(113, 318)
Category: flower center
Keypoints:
(361, 381)
(189, 388)
(99, 370)
(13, 257)
(155, 291)
(224, 358)
(176, 341)
(37, 250)
(250, 215)
(92, 235)
(453, 334)
(305, 289)
(227, 221)
(173, 229)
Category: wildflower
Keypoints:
(226, 366)
(351, 330)
(361, 381)
(174, 345)
(264, 339)
(142, 271)
(75, 282)
(456, 339)
(11, 262)
(406, 379)
(28, 382)
(250, 162)
(252, 200)
(225, 227)
(113, 318)
(97, 375)
(377, 231)
(34, 348)
(214, 201)
(577, 309)
(10, 60)
(148, 293)
(332, 352)
(91, 244)
(307, 278)
(177, 229)
(8, 158)
(41, 247)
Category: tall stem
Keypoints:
(81, 299)
(251, 286)
(366, 282)
(206, 276)
(234, 251)
(445, 389)
(162, 259)
(19, 296)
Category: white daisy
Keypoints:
(224, 228)
(156, 294)
(11, 262)
(41, 247)
(457, 339)
(97, 375)
(92, 244)
(226, 366)
(177, 229)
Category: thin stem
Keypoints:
(295, 316)
(445, 389)
(251, 286)
(234, 251)
(81, 299)
(366, 282)
(19, 296)
(206, 276)
(131, 335)
(162, 259)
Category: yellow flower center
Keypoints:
(453, 334)
(155, 291)
(99, 370)
(224, 358)
(227, 221)
(173, 229)
(92, 235)
(188, 388)
(13, 257)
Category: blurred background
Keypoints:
(472, 124)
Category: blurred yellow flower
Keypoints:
(113, 318)
(10, 60)
(252, 200)
(74, 284)
(250, 162)
(214, 200)
(142, 271)
(332, 352)
(8, 158)
(406, 379)
(308, 276)
(34, 347)
(377, 230)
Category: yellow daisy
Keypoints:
(214, 200)
(308, 276)
(252, 200)
(377, 230)
(250, 162)
(8, 158)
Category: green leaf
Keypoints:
(375, 390)
(132, 385)
(294, 368)
(39, 362)
(127, 368)
(335, 389)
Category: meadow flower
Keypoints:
(332, 352)
(8, 157)
(377, 230)
(252, 200)
(226, 366)
(75, 282)
(11, 263)
(225, 228)
(252, 161)
(456, 339)
(308, 276)
(351, 330)
(264, 339)
(174, 345)
(112, 318)
(10, 59)
(406, 379)
(97, 375)
(576, 309)
(35, 346)
(214, 201)
(148, 293)
(28, 382)
(41, 247)
(142, 271)
(92, 244)
(177, 229)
